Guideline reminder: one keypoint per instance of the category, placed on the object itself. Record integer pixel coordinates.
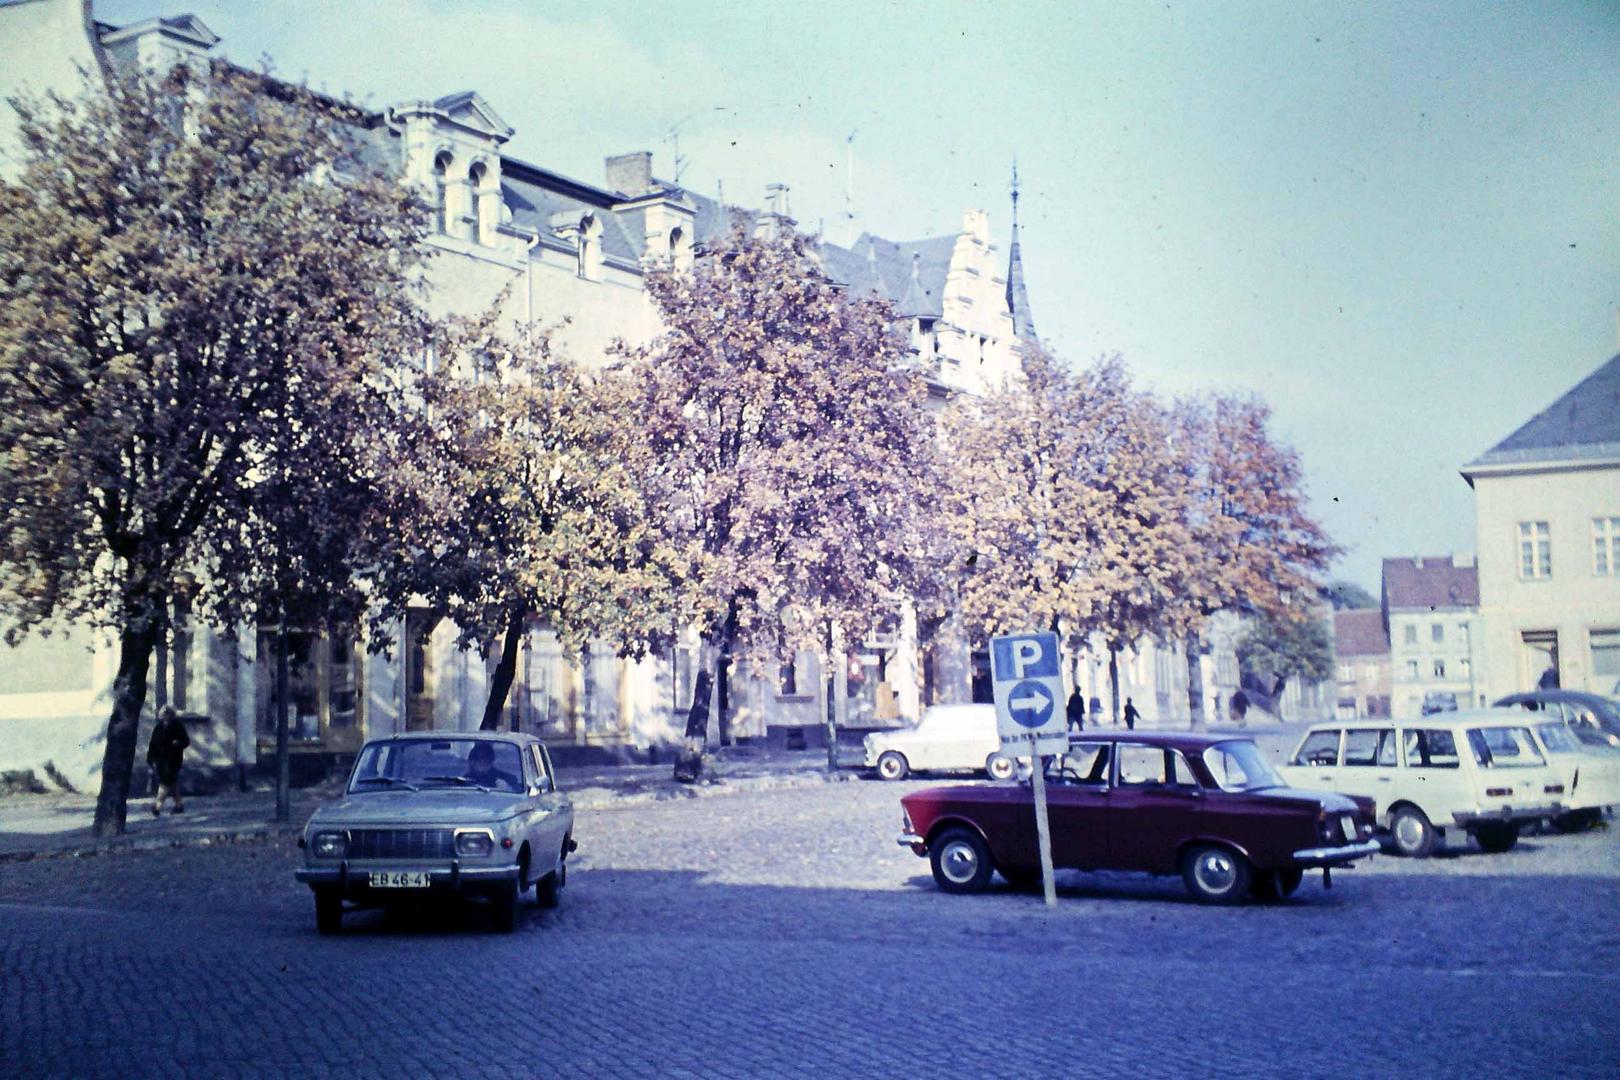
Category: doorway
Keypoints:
(1538, 660)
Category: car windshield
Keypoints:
(1504, 748)
(1240, 766)
(437, 763)
(1557, 738)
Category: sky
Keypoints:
(1398, 223)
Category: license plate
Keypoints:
(1348, 823)
(400, 879)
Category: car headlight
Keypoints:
(474, 842)
(330, 845)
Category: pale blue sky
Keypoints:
(1396, 221)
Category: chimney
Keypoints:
(630, 174)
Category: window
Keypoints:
(1411, 634)
(1439, 669)
(1535, 550)
(1369, 746)
(441, 192)
(1437, 633)
(1606, 660)
(1606, 546)
(1430, 748)
(1086, 763)
(1153, 765)
(1463, 664)
(1504, 748)
(1319, 748)
(475, 202)
(1411, 669)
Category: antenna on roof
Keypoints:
(849, 187)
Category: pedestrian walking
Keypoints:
(1096, 711)
(1131, 715)
(1075, 710)
(1240, 706)
(163, 757)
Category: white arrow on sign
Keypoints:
(1031, 702)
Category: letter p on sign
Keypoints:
(1017, 657)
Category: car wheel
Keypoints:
(1497, 836)
(1577, 820)
(1411, 832)
(328, 910)
(1000, 766)
(1215, 874)
(503, 907)
(893, 765)
(549, 888)
(961, 861)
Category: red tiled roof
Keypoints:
(1360, 633)
(1429, 582)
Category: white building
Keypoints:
(1547, 510)
(1431, 615)
(565, 248)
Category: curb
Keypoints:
(248, 834)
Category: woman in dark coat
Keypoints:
(163, 755)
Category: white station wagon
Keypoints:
(474, 813)
(948, 738)
(1481, 772)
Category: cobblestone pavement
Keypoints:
(785, 934)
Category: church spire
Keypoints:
(1017, 297)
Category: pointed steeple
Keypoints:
(1017, 296)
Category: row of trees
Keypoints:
(216, 366)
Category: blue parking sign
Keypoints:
(1026, 676)
(1023, 656)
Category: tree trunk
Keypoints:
(1113, 682)
(505, 672)
(283, 756)
(722, 696)
(1276, 695)
(1195, 681)
(123, 727)
(689, 762)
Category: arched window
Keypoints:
(590, 246)
(441, 191)
(675, 238)
(475, 201)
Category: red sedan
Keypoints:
(1209, 808)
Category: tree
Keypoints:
(203, 291)
(786, 455)
(1346, 595)
(1257, 549)
(1289, 645)
(540, 518)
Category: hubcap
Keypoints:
(959, 861)
(891, 768)
(1215, 871)
(1408, 831)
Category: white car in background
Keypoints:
(1591, 775)
(1482, 772)
(948, 738)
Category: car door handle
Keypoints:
(1383, 779)
(1325, 776)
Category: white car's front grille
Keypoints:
(402, 843)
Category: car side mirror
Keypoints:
(540, 786)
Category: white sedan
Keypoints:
(948, 738)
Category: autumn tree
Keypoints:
(1257, 548)
(539, 520)
(786, 455)
(203, 291)
(1285, 646)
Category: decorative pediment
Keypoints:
(471, 111)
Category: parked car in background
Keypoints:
(1438, 701)
(1591, 774)
(1594, 718)
(434, 813)
(1482, 772)
(1209, 808)
(948, 738)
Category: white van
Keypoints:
(1481, 772)
(948, 738)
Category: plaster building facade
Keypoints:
(1430, 607)
(1547, 511)
(564, 249)
(1362, 661)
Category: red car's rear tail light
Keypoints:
(1554, 789)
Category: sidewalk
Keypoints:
(46, 826)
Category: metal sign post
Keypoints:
(1028, 686)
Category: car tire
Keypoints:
(892, 765)
(1497, 836)
(1275, 885)
(548, 890)
(1410, 832)
(328, 910)
(1577, 820)
(961, 861)
(503, 906)
(999, 766)
(1215, 874)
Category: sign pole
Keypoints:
(1043, 834)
